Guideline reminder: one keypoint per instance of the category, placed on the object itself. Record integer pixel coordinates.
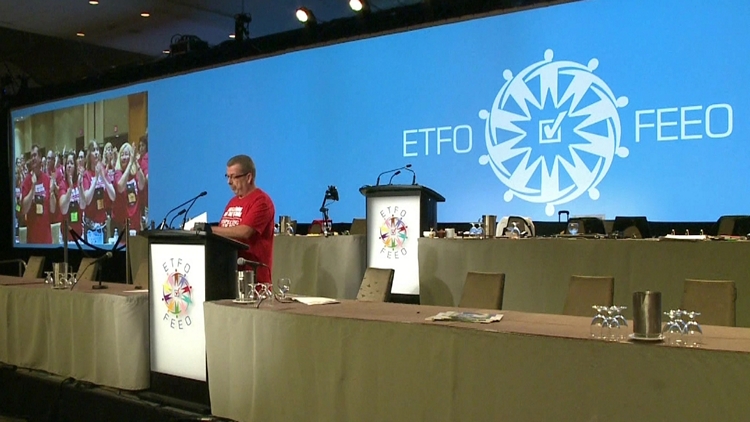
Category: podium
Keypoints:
(397, 215)
(186, 268)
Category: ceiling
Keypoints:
(38, 37)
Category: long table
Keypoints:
(359, 361)
(537, 271)
(321, 266)
(100, 336)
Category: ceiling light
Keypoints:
(359, 5)
(305, 16)
(165, 51)
(231, 36)
(145, 15)
(94, 2)
(80, 34)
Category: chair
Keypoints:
(588, 225)
(376, 285)
(587, 291)
(88, 270)
(359, 226)
(314, 229)
(483, 291)
(632, 227)
(714, 299)
(733, 225)
(141, 276)
(34, 267)
(524, 224)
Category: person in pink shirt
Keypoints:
(38, 201)
(130, 181)
(72, 204)
(98, 194)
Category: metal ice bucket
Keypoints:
(647, 314)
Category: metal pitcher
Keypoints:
(647, 314)
(489, 226)
(285, 222)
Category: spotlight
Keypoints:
(359, 5)
(305, 16)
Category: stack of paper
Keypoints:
(466, 317)
(314, 300)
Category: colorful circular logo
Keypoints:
(393, 232)
(553, 132)
(177, 294)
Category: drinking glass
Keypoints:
(611, 327)
(515, 232)
(573, 228)
(692, 332)
(595, 329)
(622, 322)
(285, 284)
(672, 330)
(48, 279)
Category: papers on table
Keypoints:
(690, 237)
(202, 218)
(314, 300)
(465, 317)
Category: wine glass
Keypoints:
(48, 279)
(673, 328)
(595, 329)
(622, 322)
(692, 332)
(285, 284)
(573, 228)
(611, 326)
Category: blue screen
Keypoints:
(598, 107)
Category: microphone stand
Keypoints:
(176, 215)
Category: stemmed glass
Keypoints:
(285, 284)
(597, 323)
(48, 279)
(573, 228)
(621, 321)
(692, 331)
(611, 326)
(673, 328)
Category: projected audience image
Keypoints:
(83, 167)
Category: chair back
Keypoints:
(34, 267)
(376, 285)
(88, 270)
(359, 226)
(587, 291)
(315, 229)
(141, 276)
(714, 299)
(483, 291)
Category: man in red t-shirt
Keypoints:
(249, 216)
(39, 201)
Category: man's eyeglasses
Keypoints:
(235, 176)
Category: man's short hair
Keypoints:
(246, 164)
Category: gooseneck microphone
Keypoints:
(184, 219)
(182, 211)
(413, 175)
(83, 271)
(163, 224)
(390, 181)
(377, 182)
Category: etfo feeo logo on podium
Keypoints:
(549, 144)
(394, 232)
(177, 294)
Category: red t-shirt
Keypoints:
(38, 228)
(127, 203)
(56, 217)
(75, 214)
(255, 210)
(96, 211)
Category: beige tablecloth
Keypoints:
(362, 362)
(100, 336)
(321, 266)
(537, 271)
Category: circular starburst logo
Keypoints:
(553, 132)
(393, 232)
(177, 294)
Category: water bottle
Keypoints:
(115, 236)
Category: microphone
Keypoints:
(390, 181)
(182, 211)
(377, 183)
(255, 264)
(163, 224)
(83, 271)
(184, 219)
(413, 174)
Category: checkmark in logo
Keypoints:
(549, 130)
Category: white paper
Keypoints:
(691, 237)
(202, 218)
(314, 300)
